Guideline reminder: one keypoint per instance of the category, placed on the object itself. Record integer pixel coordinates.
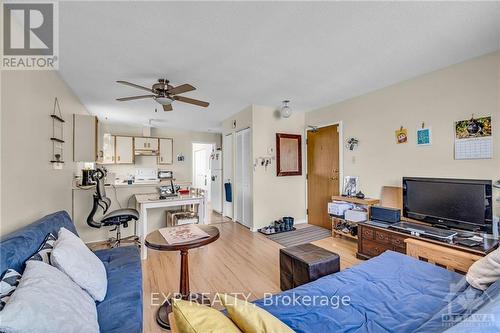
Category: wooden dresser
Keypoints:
(374, 240)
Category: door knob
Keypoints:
(334, 178)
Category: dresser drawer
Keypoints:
(382, 237)
(398, 241)
(373, 249)
(367, 233)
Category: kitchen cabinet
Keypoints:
(108, 148)
(144, 143)
(166, 151)
(124, 149)
(85, 129)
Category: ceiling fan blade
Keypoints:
(123, 99)
(191, 101)
(134, 85)
(181, 89)
(167, 107)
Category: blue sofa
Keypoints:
(121, 310)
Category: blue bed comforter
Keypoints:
(389, 293)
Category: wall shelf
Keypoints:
(57, 138)
(56, 117)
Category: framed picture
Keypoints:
(424, 137)
(401, 135)
(350, 187)
(288, 154)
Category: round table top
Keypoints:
(156, 241)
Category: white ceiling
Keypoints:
(239, 53)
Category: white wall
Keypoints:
(30, 187)
(438, 99)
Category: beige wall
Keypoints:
(438, 99)
(273, 196)
(30, 187)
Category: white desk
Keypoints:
(147, 201)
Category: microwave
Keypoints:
(163, 174)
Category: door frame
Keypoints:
(341, 157)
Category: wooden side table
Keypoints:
(366, 202)
(157, 242)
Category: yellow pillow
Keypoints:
(252, 319)
(192, 317)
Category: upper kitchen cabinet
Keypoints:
(124, 149)
(108, 149)
(145, 146)
(85, 129)
(166, 151)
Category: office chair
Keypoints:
(116, 218)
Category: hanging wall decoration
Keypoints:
(401, 135)
(288, 154)
(424, 136)
(473, 139)
(57, 137)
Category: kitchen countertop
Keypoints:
(154, 197)
(125, 185)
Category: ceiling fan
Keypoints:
(164, 94)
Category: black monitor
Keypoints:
(456, 203)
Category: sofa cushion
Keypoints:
(74, 258)
(17, 247)
(46, 300)
(121, 310)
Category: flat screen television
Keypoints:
(456, 203)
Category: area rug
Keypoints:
(303, 235)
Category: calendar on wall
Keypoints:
(473, 139)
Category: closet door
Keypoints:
(227, 170)
(238, 179)
(244, 202)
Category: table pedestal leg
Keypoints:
(185, 294)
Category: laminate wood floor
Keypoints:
(239, 261)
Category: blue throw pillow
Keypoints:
(44, 251)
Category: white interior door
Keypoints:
(243, 178)
(227, 170)
(201, 173)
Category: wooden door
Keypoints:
(124, 150)
(322, 173)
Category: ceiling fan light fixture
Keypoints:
(285, 111)
(163, 100)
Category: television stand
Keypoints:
(374, 239)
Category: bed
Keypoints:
(389, 293)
